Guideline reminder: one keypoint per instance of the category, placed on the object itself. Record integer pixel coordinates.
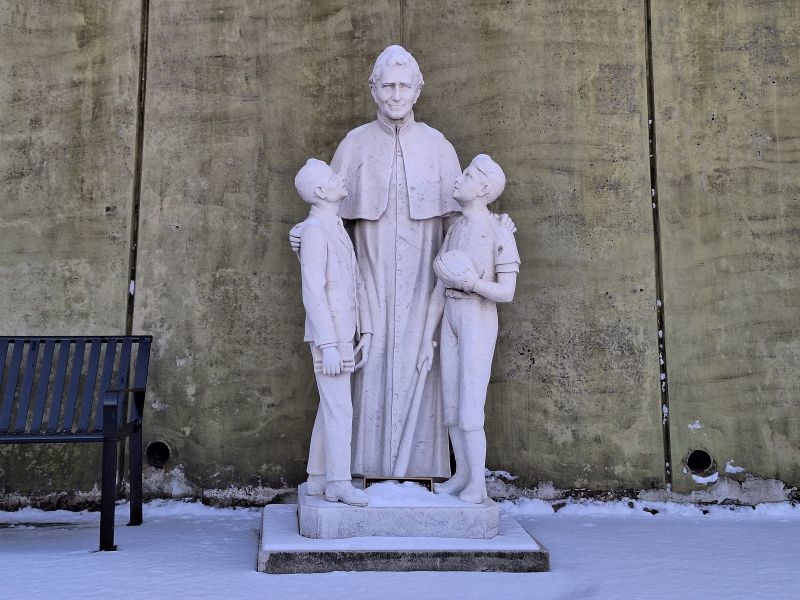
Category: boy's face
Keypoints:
(469, 185)
(334, 189)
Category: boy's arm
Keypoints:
(313, 259)
(501, 290)
(506, 265)
(434, 316)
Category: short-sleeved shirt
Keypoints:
(491, 247)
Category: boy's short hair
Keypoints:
(312, 175)
(493, 173)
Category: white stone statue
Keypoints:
(400, 174)
(476, 268)
(337, 314)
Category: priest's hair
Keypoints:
(395, 56)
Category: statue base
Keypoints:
(397, 510)
(281, 549)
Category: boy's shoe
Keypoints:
(345, 492)
(454, 485)
(315, 485)
(475, 493)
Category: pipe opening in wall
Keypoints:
(699, 462)
(157, 454)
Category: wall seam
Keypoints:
(657, 256)
(136, 194)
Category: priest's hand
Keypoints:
(504, 219)
(425, 360)
(363, 347)
(294, 237)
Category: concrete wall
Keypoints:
(68, 74)
(727, 91)
(240, 93)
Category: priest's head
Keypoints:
(396, 82)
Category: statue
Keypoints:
(337, 312)
(400, 175)
(476, 268)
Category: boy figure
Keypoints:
(337, 313)
(476, 268)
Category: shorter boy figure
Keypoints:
(337, 313)
(476, 268)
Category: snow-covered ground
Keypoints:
(615, 550)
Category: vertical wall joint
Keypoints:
(137, 166)
(653, 198)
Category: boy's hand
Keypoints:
(362, 346)
(455, 270)
(294, 237)
(331, 361)
(506, 222)
(425, 360)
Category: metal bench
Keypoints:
(34, 374)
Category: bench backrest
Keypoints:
(55, 385)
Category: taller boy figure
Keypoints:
(476, 268)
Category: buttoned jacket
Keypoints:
(333, 290)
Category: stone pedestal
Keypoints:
(395, 510)
(281, 549)
(401, 530)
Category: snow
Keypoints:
(408, 493)
(707, 479)
(696, 425)
(732, 468)
(637, 549)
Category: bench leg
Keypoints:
(135, 474)
(108, 498)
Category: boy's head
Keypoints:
(316, 182)
(482, 180)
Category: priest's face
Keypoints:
(396, 92)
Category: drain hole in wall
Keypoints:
(699, 462)
(157, 454)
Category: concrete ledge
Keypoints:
(396, 510)
(281, 549)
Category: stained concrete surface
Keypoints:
(556, 94)
(67, 119)
(240, 93)
(727, 89)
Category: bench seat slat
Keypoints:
(41, 388)
(27, 386)
(58, 385)
(121, 383)
(105, 378)
(4, 343)
(11, 385)
(74, 381)
(40, 438)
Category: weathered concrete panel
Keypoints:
(555, 92)
(727, 92)
(240, 94)
(68, 74)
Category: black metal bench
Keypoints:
(34, 374)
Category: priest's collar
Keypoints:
(401, 126)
